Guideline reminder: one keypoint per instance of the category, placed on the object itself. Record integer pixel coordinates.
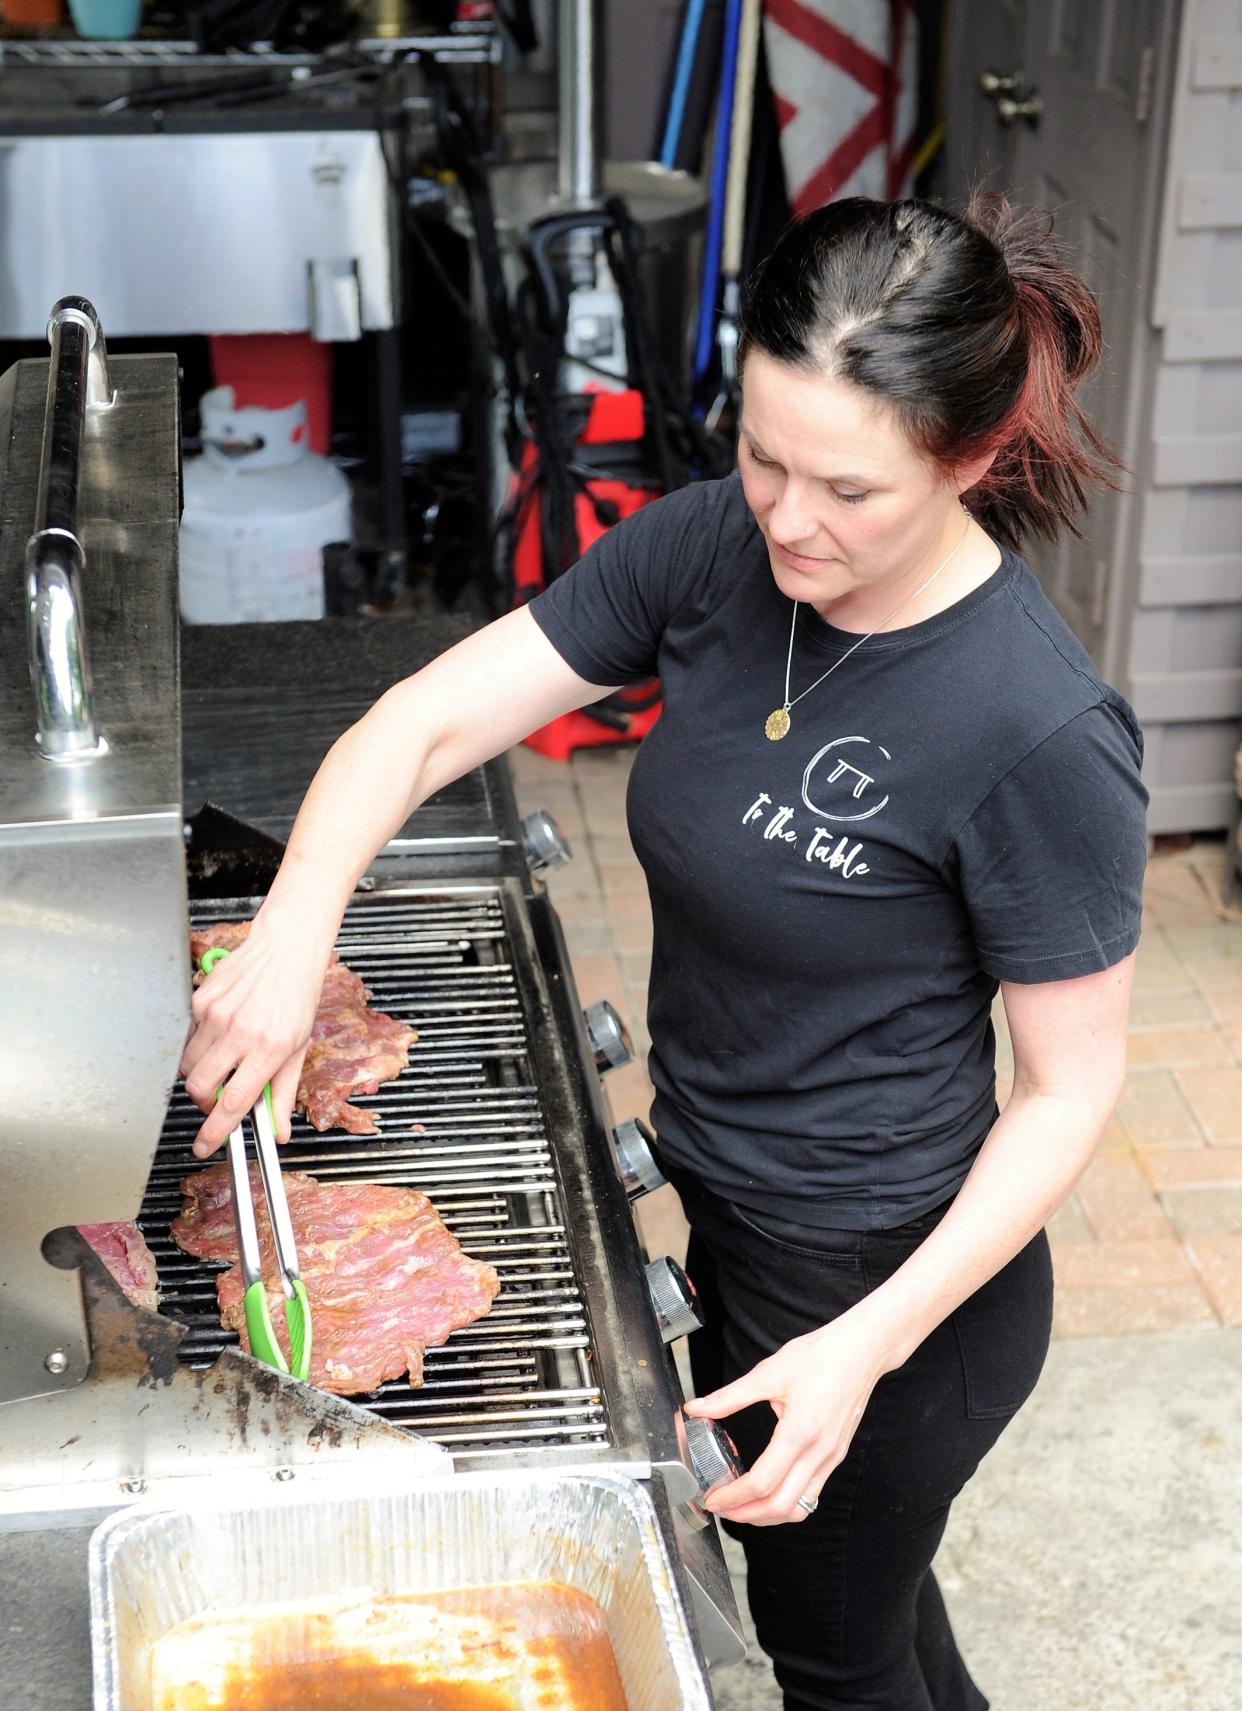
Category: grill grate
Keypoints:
(463, 1125)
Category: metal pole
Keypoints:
(581, 104)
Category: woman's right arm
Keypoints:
(253, 1016)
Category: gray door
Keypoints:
(1085, 145)
(986, 41)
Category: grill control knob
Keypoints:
(609, 1036)
(636, 1166)
(714, 1458)
(546, 845)
(674, 1299)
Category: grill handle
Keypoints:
(77, 381)
(632, 1143)
(674, 1299)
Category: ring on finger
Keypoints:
(809, 1504)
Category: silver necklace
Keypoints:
(777, 723)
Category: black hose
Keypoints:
(462, 149)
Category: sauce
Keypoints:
(352, 1684)
(525, 1647)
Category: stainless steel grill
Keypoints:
(464, 1125)
(499, 1117)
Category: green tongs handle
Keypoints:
(255, 1304)
(262, 1332)
(298, 1319)
(259, 1327)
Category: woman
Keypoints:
(886, 780)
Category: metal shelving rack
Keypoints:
(66, 52)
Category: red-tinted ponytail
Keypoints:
(1048, 454)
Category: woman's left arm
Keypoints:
(1069, 1045)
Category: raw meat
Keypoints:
(226, 934)
(123, 1249)
(385, 1278)
(352, 1049)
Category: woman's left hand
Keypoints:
(818, 1386)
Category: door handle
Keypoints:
(994, 84)
(1027, 106)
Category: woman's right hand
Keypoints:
(252, 1021)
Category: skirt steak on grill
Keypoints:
(385, 1278)
(352, 1048)
(123, 1249)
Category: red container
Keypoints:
(275, 370)
(32, 14)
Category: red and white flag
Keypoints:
(844, 75)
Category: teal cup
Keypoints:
(106, 20)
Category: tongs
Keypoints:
(262, 1333)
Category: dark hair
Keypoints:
(974, 328)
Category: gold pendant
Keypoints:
(777, 725)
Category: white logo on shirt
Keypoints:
(836, 782)
(851, 782)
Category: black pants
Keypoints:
(845, 1603)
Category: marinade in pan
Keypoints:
(523, 1647)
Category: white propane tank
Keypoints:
(259, 509)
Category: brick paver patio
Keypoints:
(1151, 1240)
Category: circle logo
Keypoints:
(842, 774)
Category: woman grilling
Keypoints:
(886, 780)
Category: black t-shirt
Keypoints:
(959, 804)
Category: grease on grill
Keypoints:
(529, 1647)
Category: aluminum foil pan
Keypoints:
(153, 1569)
